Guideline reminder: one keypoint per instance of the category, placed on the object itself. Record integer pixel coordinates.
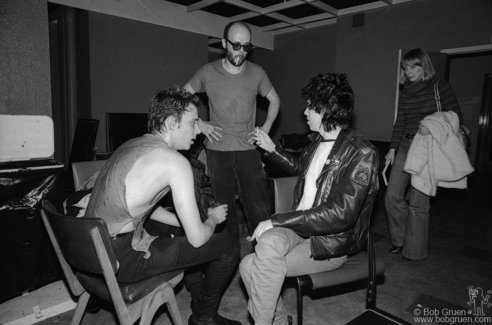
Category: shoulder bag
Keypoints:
(463, 129)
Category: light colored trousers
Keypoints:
(279, 252)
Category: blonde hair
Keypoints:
(403, 77)
(420, 58)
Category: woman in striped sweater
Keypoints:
(409, 222)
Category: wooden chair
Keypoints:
(85, 251)
(357, 267)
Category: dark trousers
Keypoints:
(220, 253)
(408, 221)
(239, 172)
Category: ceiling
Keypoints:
(281, 16)
(267, 18)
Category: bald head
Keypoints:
(236, 36)
(235, 27)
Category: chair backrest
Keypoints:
(83, 170)
(294, 141)
(283, 188)
(72, 280)
(283, 191)
(74, 236)
(85, 244)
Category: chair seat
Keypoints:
(131, 292)
(355, 268)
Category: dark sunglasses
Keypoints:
(237, 46)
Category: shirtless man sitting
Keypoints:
(140, 173)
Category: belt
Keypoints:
(408, 136)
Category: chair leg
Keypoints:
(80, 309)
(172, 307)
(299, 300)
(165, 295)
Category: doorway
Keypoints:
(466, 73)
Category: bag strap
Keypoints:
(436, 96)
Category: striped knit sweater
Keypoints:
(417, 101)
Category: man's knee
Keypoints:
(246, 265)
(271, 241)
(273, 234)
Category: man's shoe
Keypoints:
(216, 320)
(395, 249)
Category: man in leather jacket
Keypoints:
(333, 200)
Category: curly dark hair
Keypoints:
(330, 94)
(170, 102)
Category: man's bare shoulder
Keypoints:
(152, 176)
(159, 168)
(163, 165)
(165, 159)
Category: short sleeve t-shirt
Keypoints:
(232, 101)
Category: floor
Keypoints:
(437, 288)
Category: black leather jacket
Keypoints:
(338, 222)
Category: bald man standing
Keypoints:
(232, 85)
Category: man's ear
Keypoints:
(224, 44)
(170, 123)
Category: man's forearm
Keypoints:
(273, 109)
(284, 160)
(208, 229)
(164, 216)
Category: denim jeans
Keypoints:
(242, 172)
(408, 222)
(280, 252)
(221, 253)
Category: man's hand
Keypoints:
(262, 140)
(211, 131)
(219, 213)
(262, 227)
